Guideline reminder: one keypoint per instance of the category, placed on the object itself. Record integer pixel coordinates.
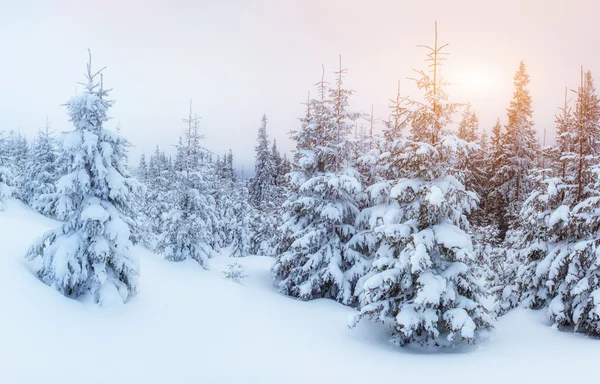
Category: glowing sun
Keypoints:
(475, 80)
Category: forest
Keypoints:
(434, 226)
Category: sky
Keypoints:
(237, 60)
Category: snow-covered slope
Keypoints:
(188, 325)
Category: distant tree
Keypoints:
(142, 169)
(189, 226)
(277, 164)
(519, 149)
(261, 185)
(16, 150)
(41, 170)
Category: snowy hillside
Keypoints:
(189, 325)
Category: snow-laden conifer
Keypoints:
(188, 228)
(263, 182)
(41, 171)
(423, 280)
(318, 217)
(91, 252)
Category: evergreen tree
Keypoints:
(519, 149)
(229, 170)
(261, 185)
(16, 151)
(91, 251)
(142, 169)
(473, 165)
(555, 244)
(277, 161)
(494, 200)
(41, 171)
(423, 279)
(586, 135)
(161, 197)
(188, 228)
(468, 128)
(312, 259)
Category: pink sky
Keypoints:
(240, 59)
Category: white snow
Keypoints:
(190, 325)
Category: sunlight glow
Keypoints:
(475, 80)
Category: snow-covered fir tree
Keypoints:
(519, 149)
(188, 228)
(142, 169)
(318, 217)
(474, 164)
(234, 211)
(160, 197)
(41, 172)
(494, 201)
(278, 171)
(91, 252)
(556, 243)
(16, 150)
(423, 279)
(263, 182)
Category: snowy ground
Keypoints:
(188, 325)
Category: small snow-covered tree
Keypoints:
(41, 172)
(263, 182)
(234, 211)
(235, 272)
(91, 252)
(16, 151)
(473, 165)
(142, 169)
(277, 160)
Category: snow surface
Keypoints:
(190, 325)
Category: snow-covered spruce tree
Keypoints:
(234, 211)
(265, 195)
(519, 149)
(142, 169)
(577, 300)
(160, 198)
(188, 228)
(56, 204)
(241, 244)
(493, 200)
(263, 182)
(6, 179)
(278, 174)
(16, 150)
(318, 217)
(555, 243)
(91, 252)
(41, 173)
(423, 282)
(473, 165)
